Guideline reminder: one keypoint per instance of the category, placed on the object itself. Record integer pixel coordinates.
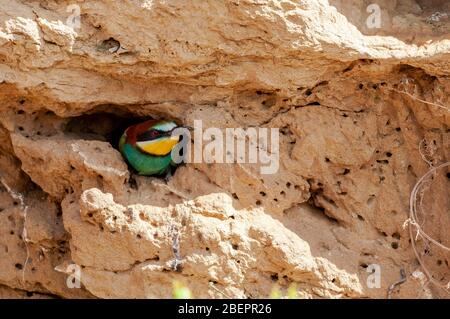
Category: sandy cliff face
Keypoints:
(355, 136)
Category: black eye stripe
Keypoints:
(150, 135)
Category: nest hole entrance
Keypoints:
(104, 126)
(107, 127)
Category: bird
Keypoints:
(147, 146)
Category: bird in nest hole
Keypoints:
(148, 146)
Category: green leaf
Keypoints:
(292, 291)
(180, 291)
(275, 293)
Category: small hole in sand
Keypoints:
(396, 235)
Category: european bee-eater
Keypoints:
(147, 146)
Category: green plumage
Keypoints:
(145, 164)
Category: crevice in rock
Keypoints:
(316, 190)
(31, 294)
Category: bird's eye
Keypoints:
(154, 133)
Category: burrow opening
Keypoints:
(107, 127)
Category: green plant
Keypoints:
(292, 293)
(180, 291)
(275, 293)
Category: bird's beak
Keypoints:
(175, 138)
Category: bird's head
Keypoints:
(153, 137)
